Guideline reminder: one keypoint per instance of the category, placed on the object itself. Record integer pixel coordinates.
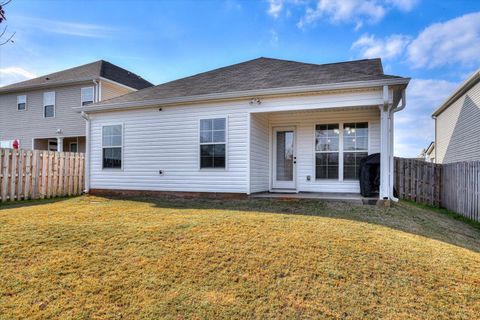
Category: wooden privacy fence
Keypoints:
(461, 188)
(418, 181)
(453, 186)
(35, 174)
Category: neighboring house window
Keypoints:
(73, 147)
(112, 146)
(49, 104)
(327, 138)
(52, 145)
(8, 144)
(87, 96)
(355, 146)
(21, 102)
(212, 143)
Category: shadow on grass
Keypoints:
(433, 223)
(422, 221)
(29, 203)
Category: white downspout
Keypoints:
(97, 90)
(87, 151)
(384, 146)
(392, 133)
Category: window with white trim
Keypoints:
(86, 96)
(355, 146)
(213, 143)
(49, 104)
(22, 103)
(340, 148)
(327, 142)
(112, 147)
(8, 144)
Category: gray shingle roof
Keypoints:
(260, 73)
(85, 72)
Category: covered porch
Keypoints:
(316, 151)
(62, 144)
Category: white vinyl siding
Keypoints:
(259, 153)
(22, 103)
(458, 129)
(168, 141)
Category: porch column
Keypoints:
(60, 144)
(386, 150)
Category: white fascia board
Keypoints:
(464, 87)
(243, 94)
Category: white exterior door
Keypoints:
(284, 158)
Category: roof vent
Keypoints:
(47, 78)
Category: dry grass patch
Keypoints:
(102, 258)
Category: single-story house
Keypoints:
(457, 129)
(257, 126)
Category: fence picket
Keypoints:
(454, 186)
(27, 174)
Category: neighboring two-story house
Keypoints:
(457, 129)
(38, 113)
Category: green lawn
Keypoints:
(99, 258)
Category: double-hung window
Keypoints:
(87, 96)
(213, 143)
(355, 145)
(340, 146)
(21, 102)
(112, 144)
(327, 138)
(49, 104)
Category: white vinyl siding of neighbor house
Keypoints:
(110, 90)
(458, 129)
(30, 123)
(167, 140)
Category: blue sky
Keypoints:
(436, 43)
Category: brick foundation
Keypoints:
(168, 194)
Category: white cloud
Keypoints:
(14, 74)
(404, 5)
(371, 47)
(274, 38)
(67, 27)
(275, 7)
(414, 128)
(353, 11)
(451, 42)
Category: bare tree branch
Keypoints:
(8, 40)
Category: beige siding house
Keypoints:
(39, 114)
(457, 124)
(264, 125)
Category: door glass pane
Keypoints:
(285, 155)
